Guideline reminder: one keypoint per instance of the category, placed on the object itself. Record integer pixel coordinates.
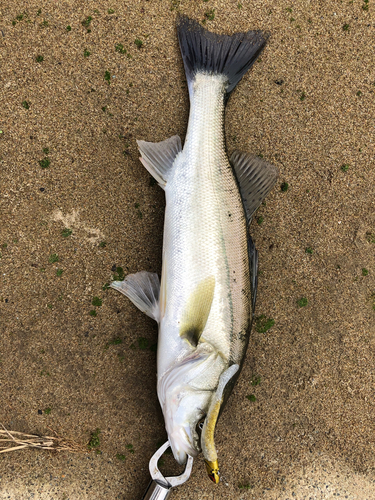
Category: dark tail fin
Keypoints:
(203, 51)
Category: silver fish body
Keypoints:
(205, 235)
(204, 304)
(205, 241)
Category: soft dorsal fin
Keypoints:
(158, 157)
(256, 178)
(143, 290)
(197, 309)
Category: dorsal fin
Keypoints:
(143, 290)
(158, 157)
(197, 309)
(256, 177)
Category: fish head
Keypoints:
(184, 411)
(185, 394)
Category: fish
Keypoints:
(204, 302)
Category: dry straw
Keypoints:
(12, 441)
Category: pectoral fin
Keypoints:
(143, 290)
(195, 315)
(208, 431)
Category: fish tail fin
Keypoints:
(203, 51)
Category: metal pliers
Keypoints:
(160, 486)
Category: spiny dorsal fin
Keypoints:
(143, 290)
(158, 157)
(197, 309)
(256, 178)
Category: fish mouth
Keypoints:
(182, 421)
(181, 441)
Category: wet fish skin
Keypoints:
(204, 303)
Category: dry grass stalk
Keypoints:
(13, 440)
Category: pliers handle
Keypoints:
(160, 486)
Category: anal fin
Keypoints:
(143, 290)
(158, 157)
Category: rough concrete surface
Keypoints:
(308, 107)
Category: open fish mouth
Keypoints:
(181, 443)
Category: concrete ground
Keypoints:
(76, 204)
